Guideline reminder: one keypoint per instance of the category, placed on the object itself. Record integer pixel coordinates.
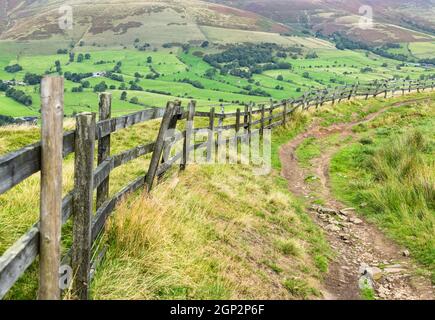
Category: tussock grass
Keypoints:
(214, 232)
(404, 191)
(393, 177)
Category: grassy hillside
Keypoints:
(206, 233)
(203, 234)
(389, 175)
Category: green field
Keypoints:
(422, 49)
(330, 67)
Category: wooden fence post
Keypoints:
(333, 95)
(237, 133)
(322, 100)
(82, 204)
(375, 94)
(210, 143)
(250, 122)
(172, 125)
(284, 115)
(369, 89)
(52, 91)
(318, 99)
(170, 112)
(350, 92)
(355, 93)
(245, 117)
(219, 134)
(105, 111)
(188, 135)
(341, 94)
(262, 121)
(270, 112)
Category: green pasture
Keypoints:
(331, 68)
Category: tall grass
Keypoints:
(403, 191)
(392, 180)
(214, 232)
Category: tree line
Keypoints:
(15, 94)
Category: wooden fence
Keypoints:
(46, 157)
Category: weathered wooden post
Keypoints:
(262, 121)
(284, 115)
(220, 154)
(211, 141)
(167, 143)
(305, 105)
(105, 111)
(82, 204)
(188, 134)
(270, 112)
(237, 120)
(236, 151)
(369, 89)
(341, 94)
(351, 92)
(333, 96)
(52, 91)
(317, 99)
(170, 113)
(250, 121)
(375, 94)
(356, 90)
(245, 116)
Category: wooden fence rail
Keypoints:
(18, 166)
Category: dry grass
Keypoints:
(214, 232)
(217, 232)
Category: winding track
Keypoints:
(354, 244)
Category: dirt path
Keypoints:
(364, 256)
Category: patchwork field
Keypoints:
(152, 77)
(422, 49)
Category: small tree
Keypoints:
(86, 84)
(101, 87)
(134, 100)
(124, 95)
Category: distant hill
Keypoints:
(111, 22)
(395, 20)
(119, 23)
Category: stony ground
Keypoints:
(365, 258)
